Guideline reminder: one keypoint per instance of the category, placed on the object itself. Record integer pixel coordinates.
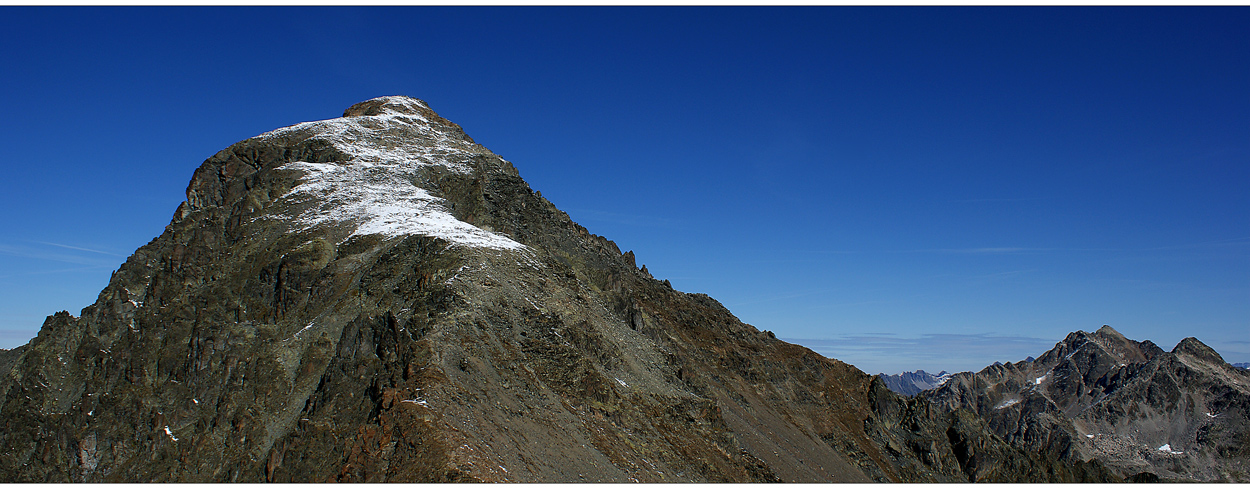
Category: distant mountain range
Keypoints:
(1146, 413)
(1245, 365)
(912, 383)
(378, 298)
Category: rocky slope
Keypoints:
(912, 383)
(379, 298)
(1145, 412)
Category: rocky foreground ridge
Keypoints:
(1180, 415)
(379, 298)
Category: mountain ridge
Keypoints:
(379, 298)
(1176, 415)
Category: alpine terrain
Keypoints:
(378, 298)
(1146, 413)
(912, 383)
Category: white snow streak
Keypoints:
(374, 190)
(170, 433)
(1167, 447)
(1007, 403)
(380, 200)
(297, 333)
(366, 138)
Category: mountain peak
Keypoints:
(376, 297)
(366, 173)
(1101, 392)
(389, 105)
(1106, 330)
(1193, 347)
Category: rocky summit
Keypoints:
(1146, 413)
(379, 298)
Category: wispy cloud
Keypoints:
(1000, 200)
(59, 270)
(78, 248)
(996, 251)
(883, 352)
(54, 252)
(1219, 243)
(983, 250)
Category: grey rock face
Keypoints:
(379, 298)
(1179, 415)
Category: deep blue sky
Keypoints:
(901, 188)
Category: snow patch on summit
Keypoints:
(374, 189)
(380, 200)
(383, 138)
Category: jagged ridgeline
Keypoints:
(378, 298)
(1147, 413)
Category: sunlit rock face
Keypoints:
(379, 298)
(1143, 411)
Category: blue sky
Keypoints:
(900, 188)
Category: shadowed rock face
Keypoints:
(379, 298)
(1145, 412)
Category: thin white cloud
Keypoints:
(44, 254)
(994, 200)
(59, 270)
(883, 352)
(997, 250)
(79, 249)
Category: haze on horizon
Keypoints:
(898, 188)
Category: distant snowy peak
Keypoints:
(388, 145)
(912, 383)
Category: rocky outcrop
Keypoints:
(379, 298)
(1143, 411)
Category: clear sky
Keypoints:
(900, 188)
